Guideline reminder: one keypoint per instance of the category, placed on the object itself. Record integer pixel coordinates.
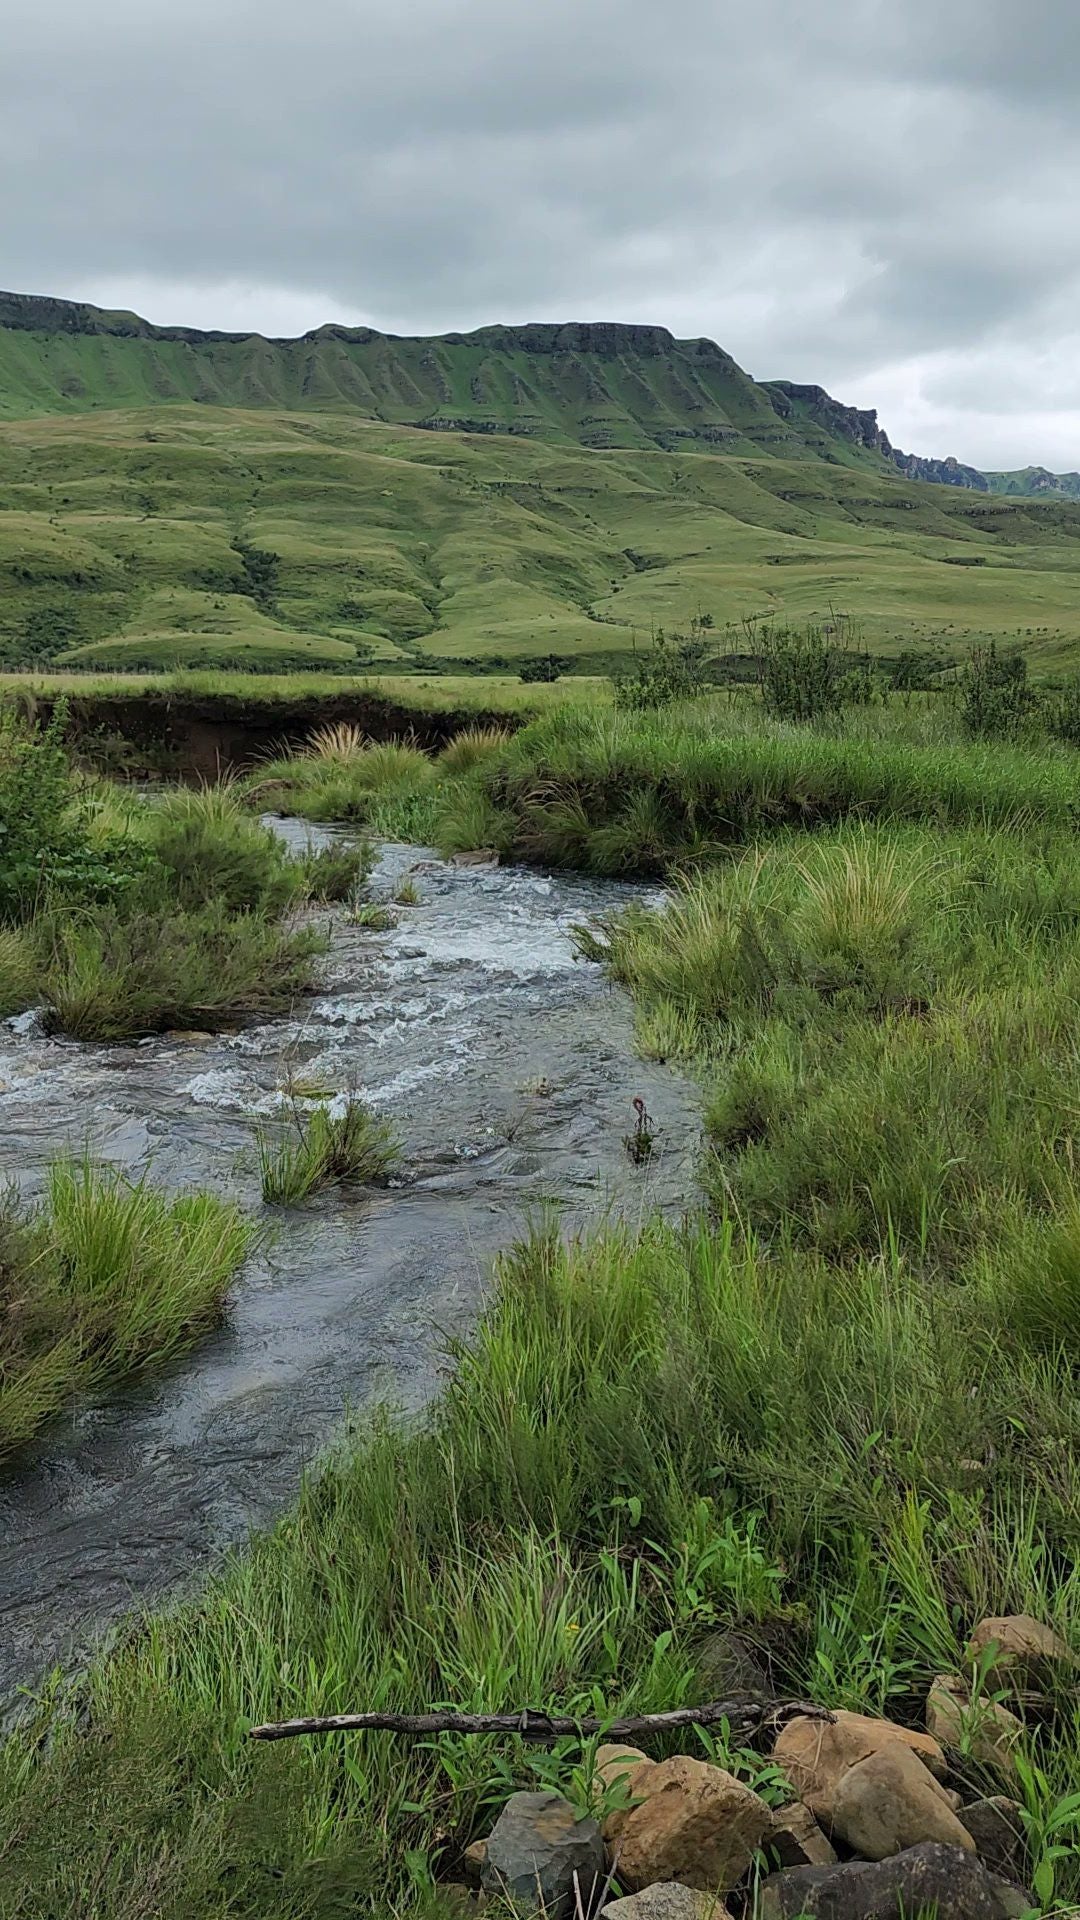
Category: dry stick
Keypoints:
(544, 1726)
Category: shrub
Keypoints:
(545, 669)
(675, 668)
(996, 701)
(213, 851)
(809, 673)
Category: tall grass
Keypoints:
(106, 1277)
(638, 794)
(650, 1437)
(112, 978)
(336, 784)
(18, 970)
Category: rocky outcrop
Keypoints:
(859, 427)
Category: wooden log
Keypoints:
(528, 1725)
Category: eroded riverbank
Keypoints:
(507, 1067)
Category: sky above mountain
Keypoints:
(878, 195)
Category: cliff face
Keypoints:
(859, 426)
(590, 383)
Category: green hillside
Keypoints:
(171, 499)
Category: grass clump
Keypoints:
(105, 1278)
(19, 970)
(470, 749)
(109, 978)
(373, 916)
(323, 1148)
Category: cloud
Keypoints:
(874, 196)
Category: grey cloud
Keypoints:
(849, 191)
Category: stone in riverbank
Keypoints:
(890, 1802)
(695, 1823)
(667, 1901)
(946, 1879)
(816, 1754)
(540, 1851)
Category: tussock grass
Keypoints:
(112, 978)
(354, 786)
(639, 794)
(471, 749)
(324, 1147)
(107, 1277)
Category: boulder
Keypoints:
(667, 1901)
(475, 857)
(891, 1802)
(794, 1838)
(619, 1772)
(538, 1848)
(946, 1880)
(985, 1729)
(695, 1823)
(1019, 1643)
(997, 1827)
(816, 1754)
(614, 1765)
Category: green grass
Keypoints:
(403, 552)
(105, 1279)
(323, 1148)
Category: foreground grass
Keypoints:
(104, 1279)
(324, 1148)
(649, 1437)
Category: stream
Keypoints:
(507, 1067)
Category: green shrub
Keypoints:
(996, 701)
(674, 668)
(808, 674)
(213, 851)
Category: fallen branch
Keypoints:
(547, 1726)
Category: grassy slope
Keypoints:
(118, 533)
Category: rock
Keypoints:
(614, 1764)
(472, 1863)
(1019, 1642)
(695, 1823)
(668, 1901)
(997, 1827)
(728, 1664)
(951, 1883)
(1015, 1902)
(891, 1802)
(985, 1729)
(536, 1847)
(816, 1754)
(191, 1036)
(795, 1840)
(475, 857)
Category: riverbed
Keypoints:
(507, 1067)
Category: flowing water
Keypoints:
(508, 1070)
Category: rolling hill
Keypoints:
(178, 498)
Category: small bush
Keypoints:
(213, 851)
(809, 673)
(334, 873)
(675, 668)
(542, 671)
(996, 701)
(352, 1146)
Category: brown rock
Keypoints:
(795, 1840)
(1018, 1642)
(816, 1754)
(696, 1824)
(476, 857)
(620, 1771)
(891, 1802)
(614, 1764)
(667, 1901)
(472, 1863)
(985, 1729)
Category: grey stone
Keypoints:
(667, 1901)
(536, 1847)
(728, 1664)
(1015, 1901)
(996, 1825)
(955, 1883)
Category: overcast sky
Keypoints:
(879, 195)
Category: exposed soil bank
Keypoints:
(203, 735)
